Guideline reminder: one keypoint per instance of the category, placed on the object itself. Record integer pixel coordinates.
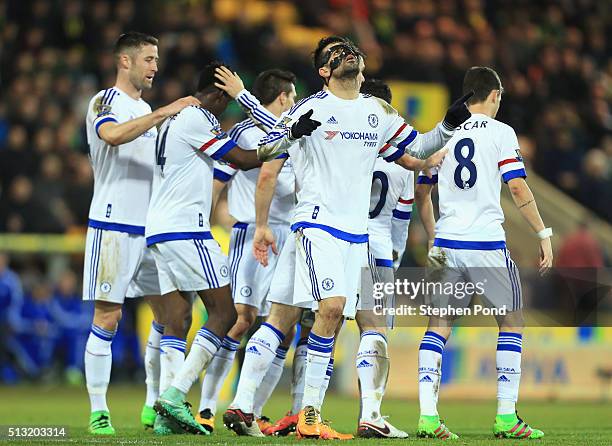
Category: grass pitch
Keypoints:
(563, 423)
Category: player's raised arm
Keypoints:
(264, 193)
(231, 83)
(424, 145)
(285, 133)
(115, 134)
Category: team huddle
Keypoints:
(322, 190)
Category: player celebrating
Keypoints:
(178, 230)
(250, 281)
(121, 137)
(469, 233)
(330, 220)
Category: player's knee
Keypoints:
(332, 310)
(243, 322)
(107, 317)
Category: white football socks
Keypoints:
(508, 362)
(151, 363)
(98, 364)
(430, 372)
(373, 370)
(259, 354)
(267, 386)
(171, 358)
(317, 362)
(299, 371)
(204, 347)
(216, 373)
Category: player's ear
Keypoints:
(124, 61)
(324, 72)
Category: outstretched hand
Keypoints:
(229, 81)
(458, 112)
(262, 240)
(304, 126)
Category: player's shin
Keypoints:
(267, 386)
(216, 373)
(204, 347)
(317, 360)
(98, 364)
(299, 371)
(430, 372)
(372, 364)
(328, 374)
(172, 357)
(259, 354)
(508, 363)
(152, 363)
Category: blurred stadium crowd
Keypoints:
(553, 56)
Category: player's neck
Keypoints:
(344, 88)
(275, 108)
(482, 109)
(123, 83)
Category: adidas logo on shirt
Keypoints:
(364, 363)
(253, 350)
(503, 379)
(426, 379)
(332, 120)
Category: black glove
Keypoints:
(457, 113)
(304, 126)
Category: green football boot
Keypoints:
(171, 404)
(433, 427)
(100, 423)
(147, 417)
(511, 426)
(166, 426)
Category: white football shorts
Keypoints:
(118, 265)
(250, 281)
(190, 265)
(282, 286)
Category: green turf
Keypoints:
(563, 423)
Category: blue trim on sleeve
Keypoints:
(342, 235)
(169, 236)
(518, 173)
(102, 121)
(118, 227)
(240, 225)
(424, 179)
(395, 155)
(224, 149)
(411, 137)
(384, 262)
(401, 215)
(221, 176)
(464, 244)
(282, 156)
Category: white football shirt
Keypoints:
(122, 174)
(182, 186)
(338, 159)
(391, 199)
(482, 152)
(242, 183)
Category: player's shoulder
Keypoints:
(498, 126)
(103, 101)
(320, 95)
(374, 103)
(245, 129)
(194, 114)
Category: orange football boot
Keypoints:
(309, 423)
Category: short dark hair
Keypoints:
(377, 88)
(270, 83)
(317, 54)
(207, 79)
(482, 81)
(133, 39)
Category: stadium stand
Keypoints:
(554, 61)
